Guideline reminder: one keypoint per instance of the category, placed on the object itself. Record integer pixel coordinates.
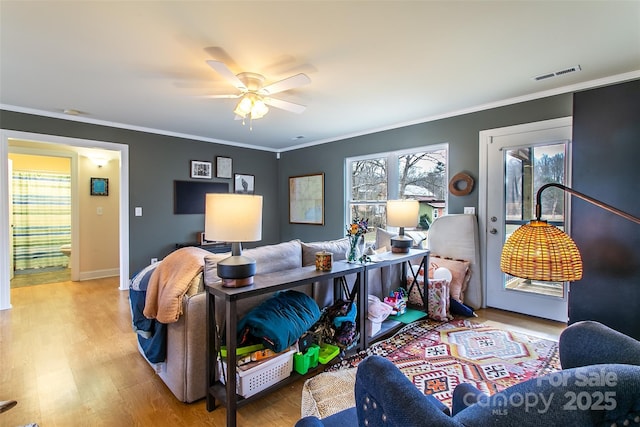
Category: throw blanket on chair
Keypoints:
(170, 281)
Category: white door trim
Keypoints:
(485, 138)
(5, 136)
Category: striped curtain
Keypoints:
(41, 218)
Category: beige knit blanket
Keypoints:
(170, 281)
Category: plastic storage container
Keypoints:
(262, 376)
(328, 352)
(303, 362)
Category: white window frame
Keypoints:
(392, 173)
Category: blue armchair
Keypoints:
(593, 394)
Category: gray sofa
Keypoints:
(183, 371)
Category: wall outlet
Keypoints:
(470, 210)
(154, 260)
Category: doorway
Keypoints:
(515, 162)
(40, 216)
(123, 201)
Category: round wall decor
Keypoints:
(461, 184)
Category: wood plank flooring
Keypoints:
(68, 356)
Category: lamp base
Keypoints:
(401, 244)
(237, 271)
(237, 283)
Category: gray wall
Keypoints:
(461, 132)
(155, 161)
(606, 149)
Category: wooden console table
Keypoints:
(263, 284)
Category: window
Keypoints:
(418, 174)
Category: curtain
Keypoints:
(41, 218)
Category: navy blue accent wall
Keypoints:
(606, 166)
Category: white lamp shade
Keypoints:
(233, 217)
(402, 213)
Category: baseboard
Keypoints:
(99, 274)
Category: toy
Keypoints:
(397, 302)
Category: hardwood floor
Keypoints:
(68, 356)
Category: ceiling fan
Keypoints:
(254, 96)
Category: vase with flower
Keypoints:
(355, 232)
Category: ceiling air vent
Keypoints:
(573, 69)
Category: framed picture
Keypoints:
(243, 183)
(306, 199)
(224, 166)
(99, 186)
(204, 242)
(200, 169)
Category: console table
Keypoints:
(263, 284)
(386, 259)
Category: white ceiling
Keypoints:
(373, 65)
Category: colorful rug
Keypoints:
(437, 356)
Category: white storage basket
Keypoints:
(261, 376)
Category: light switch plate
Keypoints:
(138, 211)
(470, 210)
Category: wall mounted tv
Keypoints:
(189, 196)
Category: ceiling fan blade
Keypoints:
(285, 84)
(225, 72)
(285, 105)
(220, 96)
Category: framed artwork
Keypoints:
(200, 169)
(99, 186)
(244, 184)
(224, 166)
(204, 241)
(306, 199)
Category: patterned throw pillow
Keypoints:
(438, 300)
(460, 271)
(437, 296)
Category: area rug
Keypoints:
(436, 357)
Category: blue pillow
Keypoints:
(456, 307)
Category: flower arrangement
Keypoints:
(354, 232)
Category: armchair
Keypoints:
(596, 394)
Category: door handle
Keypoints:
(493, 231)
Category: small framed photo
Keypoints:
(99, 186)
(204, 241)
(224, 166)
(200, 169)
(244, 184)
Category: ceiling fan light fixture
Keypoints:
(244, 106)
(259, 109)
(251, 105)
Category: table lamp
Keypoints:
(402, 213)
(540, 251)
(234, 218)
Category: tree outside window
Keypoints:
(419, 174)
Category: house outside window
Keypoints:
(419, 174)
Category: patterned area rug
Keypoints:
(437, 356)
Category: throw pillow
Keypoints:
(438, 300)
(459, 270)
(383, 239)
(437, 294)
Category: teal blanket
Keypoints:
(280, 320)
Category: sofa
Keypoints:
(183, 369)
(599, 385)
